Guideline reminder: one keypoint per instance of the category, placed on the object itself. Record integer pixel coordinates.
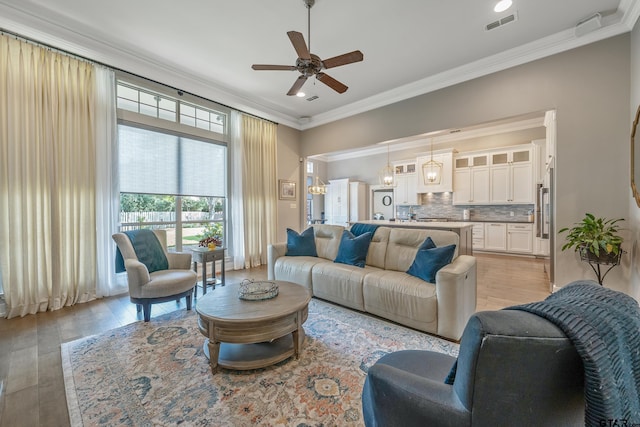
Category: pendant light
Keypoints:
(318, 187)
(386, 175)
(432, 170)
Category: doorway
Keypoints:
(382, 203)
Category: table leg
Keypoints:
(222, 266)
(214, 278)
(195, 290)
(204, 275)
(214, 353)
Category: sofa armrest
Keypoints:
(137, 276)
(179, 260)
(456, 291)
(274, 252)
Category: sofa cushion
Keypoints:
(378, 247)
(297, 269)
(402, 298)
(429, 261)
(328, 240)
(353, 250)
(340, 283)
(302, 244)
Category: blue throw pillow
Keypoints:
(353, 250)
(427, 244)
(429, 261)
(302, 244)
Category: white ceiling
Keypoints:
(410, 46)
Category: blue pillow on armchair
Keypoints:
(353, 250)
(302, 244)
(429, 261)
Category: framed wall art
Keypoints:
(287, 190)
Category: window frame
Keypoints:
(176, 128)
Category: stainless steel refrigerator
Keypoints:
(544, 219)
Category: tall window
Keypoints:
(172, 167)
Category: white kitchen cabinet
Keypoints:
(495, 236)
(446, 175)
(406, 192)
(471, 180)
(511, 177)
(345, 201)
(520, 238)
(478, 236)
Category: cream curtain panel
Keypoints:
(259, 188)
(47, 178)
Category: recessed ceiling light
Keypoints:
(502, 5)
(300, 94)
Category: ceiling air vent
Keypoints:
(504, 21)
(312, 98)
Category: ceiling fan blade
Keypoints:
(297, 40)
(273, 67)
(347, 58)
(297, 85)
(332, 83)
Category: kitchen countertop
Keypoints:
(418, 224)
(500, 220)
(471, 221)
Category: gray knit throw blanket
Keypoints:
(604, 326)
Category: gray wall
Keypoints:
(289, 168)
(588, 86)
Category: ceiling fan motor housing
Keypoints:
(309, 67)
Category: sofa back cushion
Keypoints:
(378, 247)
(404, 243)
(328, 240)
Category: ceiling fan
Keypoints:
(309, 64)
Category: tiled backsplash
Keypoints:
(440, 205)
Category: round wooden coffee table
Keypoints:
(252, 334)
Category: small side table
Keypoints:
(205, 255)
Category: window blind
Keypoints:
(158, 163)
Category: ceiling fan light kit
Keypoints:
(308, 64)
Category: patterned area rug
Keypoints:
(156, 374)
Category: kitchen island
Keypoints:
(463, 229)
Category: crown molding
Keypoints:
(38, 28)
(551, 45)
(41, 30)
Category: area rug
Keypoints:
(156, 374)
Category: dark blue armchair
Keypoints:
(514, 368)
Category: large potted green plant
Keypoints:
(597, 241)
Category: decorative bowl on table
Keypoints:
(210, 242)
(251, 290)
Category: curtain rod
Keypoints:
(83, 58)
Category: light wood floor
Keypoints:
(31, 384)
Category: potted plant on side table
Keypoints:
(597, 242)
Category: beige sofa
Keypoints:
(383, 287)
